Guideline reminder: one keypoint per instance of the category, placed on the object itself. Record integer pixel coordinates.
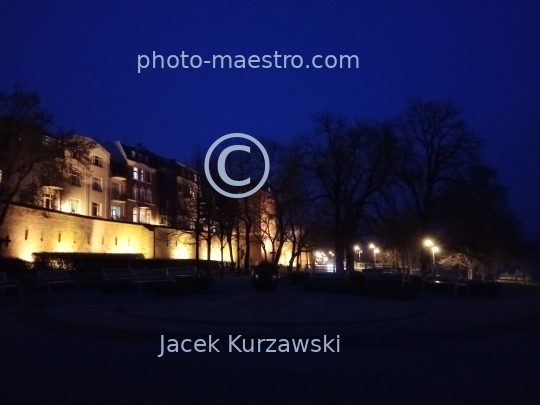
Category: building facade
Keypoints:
(130, 200)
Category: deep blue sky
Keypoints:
(82, 58)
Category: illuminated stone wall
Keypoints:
(40, 230)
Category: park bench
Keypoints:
(387, 275)
(117, 276)
(140, 276)
(55, 277)
(513, 278)
(181, 273)
(326, 276)
(6, 283)
(446, 276)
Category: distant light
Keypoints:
(376, 250)
(434, 249)
(372, 246)
(357, 248)
(428, 243)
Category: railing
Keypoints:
(119, 196)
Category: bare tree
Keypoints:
(33, 158)
(439, 149)
(352, 165)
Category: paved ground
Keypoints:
(90, 347)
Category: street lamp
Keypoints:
(434, 249)
(375, 251)
(428, 243)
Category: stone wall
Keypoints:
(40, 230)
(33, 229)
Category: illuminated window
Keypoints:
(96, 209)
(148, 216)
(97, 183)
(135, 214)
(74, 205)
(135, 173)
(97, 161)
(0, 176)
(141, 177)
(142, 217)
(115, 212)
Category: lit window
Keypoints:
(97, 183)
(0, 176)
(135, 214)
(115, 213)
(148, 216)
(142, 175)
(96, 209)
(135, 173)
(97, 161)
(74, 205)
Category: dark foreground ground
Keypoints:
(89, 347)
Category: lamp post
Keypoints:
(375, 251)
(434, 249)
(372, 246)
(428, 243)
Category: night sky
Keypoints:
(82, 59)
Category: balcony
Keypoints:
(118, 171)
(119, 197)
